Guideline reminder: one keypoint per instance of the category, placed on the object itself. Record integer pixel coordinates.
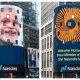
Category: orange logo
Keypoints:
(68, 25)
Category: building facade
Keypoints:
(47, 25)
(46, 39)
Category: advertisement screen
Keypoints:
(11, 55)
(33, 58)
(67, 39)
(11, 35)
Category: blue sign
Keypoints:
(67, 39)
(11, 55)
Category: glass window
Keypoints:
(50, 74)
(42, 44)
(61, 3)
(38, 55)
(42, 60)
(17, 11)
(44, 73)
(45, 43)
(48, 42)
(45, 17)
(42, 32)
(48, 29)
(2, 9)
(47, 74)
(51, 59)
(47, 59)
(10, 9)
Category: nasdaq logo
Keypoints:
(5, 68)
(63, 69)
(1, 67)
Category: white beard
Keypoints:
(11, 40)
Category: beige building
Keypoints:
(46, 38)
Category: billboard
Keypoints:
(11, 35)
(33, 58)
(11, 55)
(67, 39)
(11, 25)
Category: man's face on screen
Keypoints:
(9, 33)
(9, 26)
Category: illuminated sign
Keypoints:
(11, 26)
(33, 58)
(5, 68)
(67, 68)
(67, 38)
(11, 36)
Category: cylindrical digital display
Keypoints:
(11, 35)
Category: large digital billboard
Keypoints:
(11, 35)
(67, 39)
(11, 25)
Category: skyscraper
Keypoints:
(46, 38)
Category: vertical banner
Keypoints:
(33, 58)
(67, 39)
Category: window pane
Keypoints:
(10, 9)
(51, 59)
(42, 32)
(50, 41)
(50, 74)
(48, 28)
(44, 73)
(47, 59)
(47, 74)
(2, 9)
(42, 60)
(47, 42)
(42, 44)
(17, 11)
